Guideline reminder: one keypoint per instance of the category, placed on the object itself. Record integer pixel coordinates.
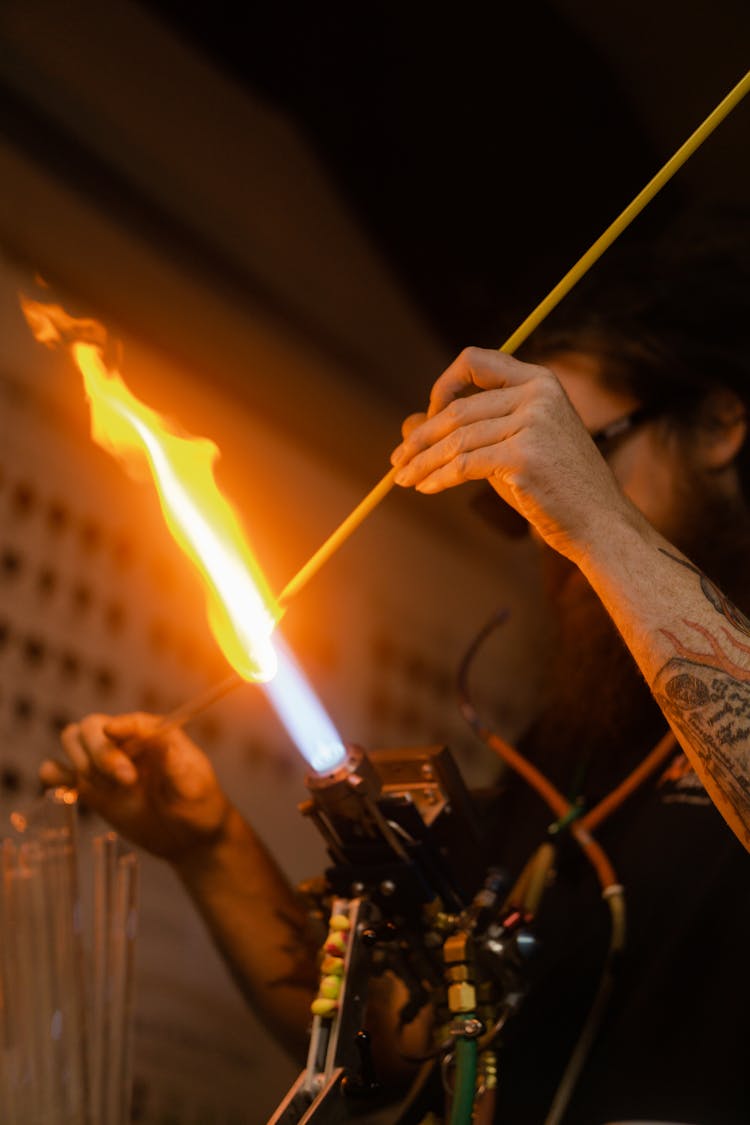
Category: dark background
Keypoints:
(484, 147)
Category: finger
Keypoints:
(412, 422)
(133, 726)
(136, 734)
(459, 413)
(73, 748)
(105, 757)
(474, 452)
(53, 773)
(182, 765)
(486, 434)
(477, 464)
(478, 369)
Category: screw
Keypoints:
(467, 1029)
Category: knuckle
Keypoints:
(550, 383)
(461, 464)
(93, 735)
(455, 443)
(471, 356)
(454, 411)
(543, 407)
(143, 720)
(93, 721)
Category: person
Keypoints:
(620, 435)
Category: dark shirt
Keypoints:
(673, 1042)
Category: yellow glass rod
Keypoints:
(524, 330)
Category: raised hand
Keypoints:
(493, 417)
(157, 788)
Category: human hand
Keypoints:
(493, 417)
(156, 788)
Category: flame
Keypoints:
(304, 718)
(241, 608)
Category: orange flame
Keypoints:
(241, 608)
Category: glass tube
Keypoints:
(62, 1065)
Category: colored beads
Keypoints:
(332, 967)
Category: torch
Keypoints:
(401, 850)
(399, 825)
(241, 608)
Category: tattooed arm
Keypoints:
(693, 647)
(492, 417)
(705, 693)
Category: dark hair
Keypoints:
(669, 325)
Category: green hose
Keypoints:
(465, 1083)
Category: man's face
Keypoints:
(648, 462)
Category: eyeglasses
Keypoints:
(507, 520)
(604, 437)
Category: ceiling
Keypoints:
(484, 146)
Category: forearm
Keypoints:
(492, 417)
(692, 646)
(259, 926)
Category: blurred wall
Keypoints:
(147, 190)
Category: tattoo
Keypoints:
(713, 594)
(704, 691)
(718, 657)
(710, 711)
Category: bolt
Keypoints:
(470, 1028)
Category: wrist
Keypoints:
(614, 536)
(206, 855)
